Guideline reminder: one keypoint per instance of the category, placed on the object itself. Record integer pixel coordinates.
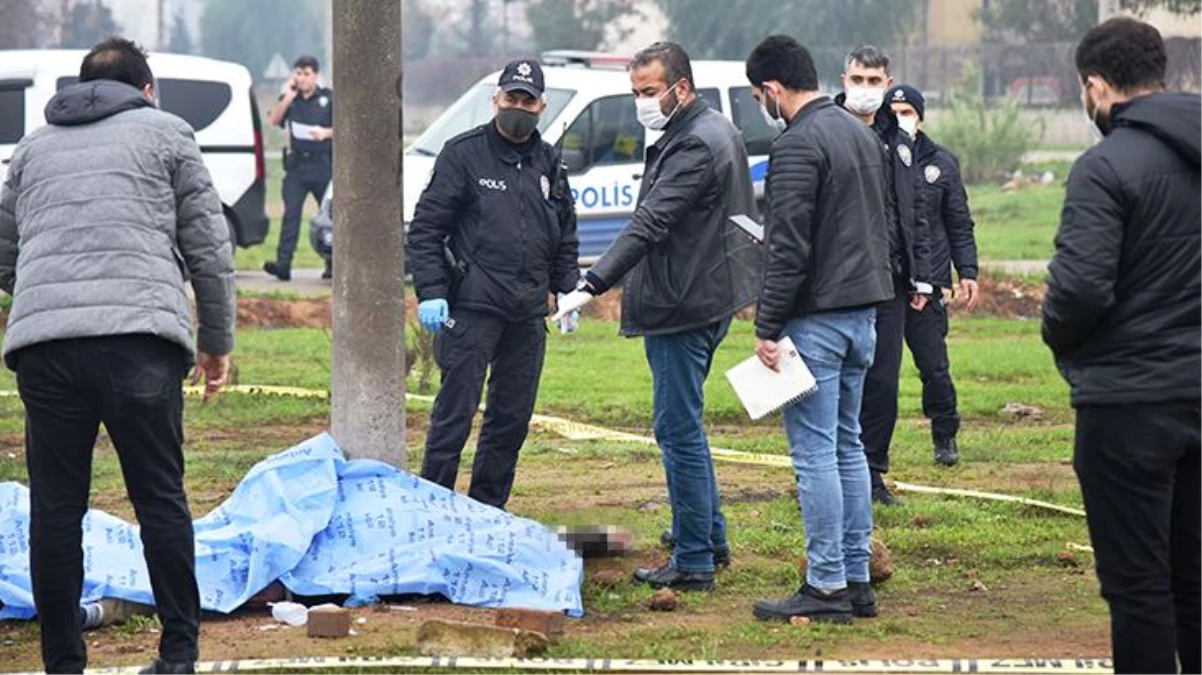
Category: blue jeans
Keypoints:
(824, 441)
(679, 364)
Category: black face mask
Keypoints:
(516, 123)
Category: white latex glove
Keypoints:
(571, 302)
(569, 323)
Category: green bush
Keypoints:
(989, 137)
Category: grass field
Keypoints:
(1010, 225)
(973, 578)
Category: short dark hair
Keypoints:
(1128, 54)
(673, 57)
(117, 59)
(781, 58)
(307, 61)
(869, 56)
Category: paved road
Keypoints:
(1023, 267)
(305, 283)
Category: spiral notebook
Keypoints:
(763, 390)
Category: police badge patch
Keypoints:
(903, 151)
(546, 186)
(323, 101)
(931, 173)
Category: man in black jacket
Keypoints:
(951, 243)
(492, 235)
(1121, 316)
(826, 268)
(687, 270)
(865, 79)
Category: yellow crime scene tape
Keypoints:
(1040, 666)
(578, 431)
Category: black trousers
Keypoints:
(299, 183)
(132, 384)
(926, 335)
(1140, 476)
(511, 352)
(878, 411)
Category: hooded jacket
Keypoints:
(1124, 302)
(106, 213)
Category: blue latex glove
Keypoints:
(432, 313)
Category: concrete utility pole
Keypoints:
(368, 363)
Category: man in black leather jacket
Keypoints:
(826, 269)
(952, 243)
(1121, 315)
(865, 79)
(687, 270)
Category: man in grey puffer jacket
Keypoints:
(106, 213)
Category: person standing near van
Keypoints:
(493, 234)
(306, 110)
(687, 271)
(952, 244)
(106, 214)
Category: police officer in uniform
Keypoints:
(952, 243)
(306, 110)
(865, 79)
(492, 235)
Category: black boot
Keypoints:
(670, 577)
(808, 602)
(161, 666)
(880, 493)
(278, 270)
(328, 272)
(863, 600)
(946, 452)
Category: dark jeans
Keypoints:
(878, 412)
(926, 335)
(298, 184)
(680, 362)
(133, 384)
(511, 352)
(1140, 473)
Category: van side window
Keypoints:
(606, 132)
(12, 110)
(745, 112)
(711, 97)
(198, 102)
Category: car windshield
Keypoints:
(475, 108)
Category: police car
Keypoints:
(591, 109)
(213, 96)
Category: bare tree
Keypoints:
(26, 23)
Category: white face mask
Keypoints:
(649, 113)
(1091, 118)
(864, 100)
(778, 123)
(908, 125)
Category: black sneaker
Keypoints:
(670, 577)
(281, 272)
(946, 452)
(161, 666)
(328, 272)
(721, 556)
(808, 602)
(863, 600)
(881, 495)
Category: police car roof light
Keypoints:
(574, 57)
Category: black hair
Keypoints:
(117, 59)
(869, 56)
(307, 61)
(1128, 54)
(781, 58)
(673, 57)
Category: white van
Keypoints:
(589, 102)
(215, 97)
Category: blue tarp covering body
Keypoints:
(322, 525)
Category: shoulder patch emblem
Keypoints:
(545, 184)
(903, 151)
(323, 101)
(931, 173)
